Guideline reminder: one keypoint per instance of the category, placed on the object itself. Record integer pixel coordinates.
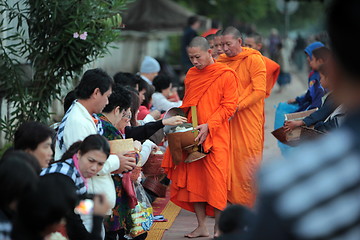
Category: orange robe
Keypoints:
(213, 91)
(272, 74)
(247, 125)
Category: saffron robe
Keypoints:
(272, 74)
(247, 125)
(214, 91)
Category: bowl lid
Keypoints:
(175, 111)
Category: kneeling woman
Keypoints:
(82, 161)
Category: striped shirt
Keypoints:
(67, 168)
(316, 193)
(5, 227)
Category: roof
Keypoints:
(145, 15)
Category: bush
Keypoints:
(55, 39)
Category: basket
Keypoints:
(153, 185)
(152, 167)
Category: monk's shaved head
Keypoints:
(256, 36)
(232, 31)
(199, 53)
(199, 42)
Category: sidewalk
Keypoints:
(186, 221)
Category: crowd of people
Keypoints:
(49, 172)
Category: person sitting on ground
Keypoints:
(83, 160)
(36, 139)
(18, 178)
(81, 121)
(314, 193)
(115, 119)
(118, 113)
(163, 86)
(149, 69)
(328, 106)
(317, 54)
(41, 212)
(127, 79)
(145, 114)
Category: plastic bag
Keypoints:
(282, 109)
(142, 215)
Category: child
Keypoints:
(325, 110)
(317, 54)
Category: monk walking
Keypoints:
(272, 68)
(201, 186)
(247, 125)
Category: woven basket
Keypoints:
(152, 167)
(153, 184)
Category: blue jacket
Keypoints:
(312, 98)
(323, 113)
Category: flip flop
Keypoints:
(159, 218)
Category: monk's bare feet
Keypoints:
(198, 232)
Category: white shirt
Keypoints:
(78, 126)
(162, 104)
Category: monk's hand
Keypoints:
(175, 120)
(203, 132)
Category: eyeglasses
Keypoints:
(128, 116)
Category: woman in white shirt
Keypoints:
(163, 87)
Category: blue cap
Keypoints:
(149, 65)
(308, 50)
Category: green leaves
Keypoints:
(40, 34)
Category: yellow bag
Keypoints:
(142, 214)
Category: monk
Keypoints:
(272, 68)
(218, 43)
(211, 38)
(201, 186)
(247, 125)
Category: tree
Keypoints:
(229, 11)
(56, 39)
(262, 13)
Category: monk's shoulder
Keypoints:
(256, 58)
(227, 77)
(255, 61)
